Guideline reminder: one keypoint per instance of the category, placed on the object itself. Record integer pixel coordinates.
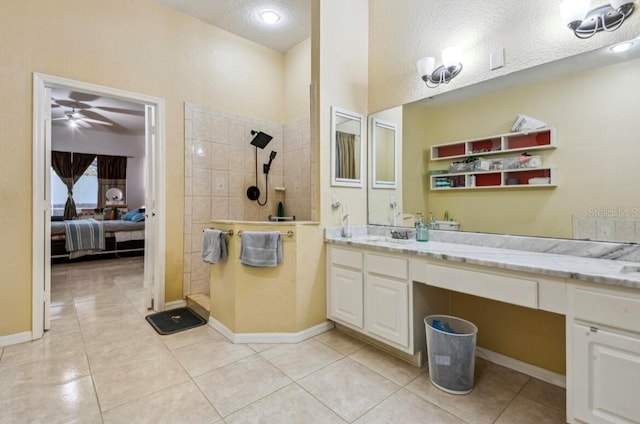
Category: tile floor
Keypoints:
(101, 362)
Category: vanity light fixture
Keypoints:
(585, 23)
(269, 16)
(444, 73)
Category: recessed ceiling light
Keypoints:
(269, 16)
(621, 47)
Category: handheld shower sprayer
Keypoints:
(267, 166)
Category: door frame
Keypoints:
(40, 179)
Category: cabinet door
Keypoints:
(346, 296)
(387, 309)
(606, 376)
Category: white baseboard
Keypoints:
(175, 304)
(11, 339)
(270, 337)
(523, 367)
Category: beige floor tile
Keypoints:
(495, 387)
(348, 388)
(51, 345)
(137, 379)
(182, 403)
(396, 370)
(301, 359)
(341, 342)
(203, 357)
(236, 385)
(404, 407)
(105, 357)
(64, 324)
(545, 393)
(291, 405)
(261, 347)
(193, 336)
(20, 376)
(523, 410)
(71, 401)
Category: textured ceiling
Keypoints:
(241, 17)
(124, 117)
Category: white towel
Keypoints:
(261, 248)
(214, 246)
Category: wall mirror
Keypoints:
(595, 144)
(384, 160)
(384, 194)
(347, 149)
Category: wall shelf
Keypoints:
(504, 178)
(544, 138)
(501, 172)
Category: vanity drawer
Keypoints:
(345, 257)
(607, 309)
(388, 266)
(504, 288)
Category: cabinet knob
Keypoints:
(593, 329)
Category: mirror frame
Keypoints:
(337, 112)
(375, 122)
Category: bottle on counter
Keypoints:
(422, 230)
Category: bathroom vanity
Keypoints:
(383, 288)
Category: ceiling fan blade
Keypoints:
(82, 123)
(121, 110)
(95, 121)
(64, 118)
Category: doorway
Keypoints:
(154, 171)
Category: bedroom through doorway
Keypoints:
(98, 194)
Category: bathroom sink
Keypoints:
(381, 239)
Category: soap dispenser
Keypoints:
(422, 231)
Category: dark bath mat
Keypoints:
(175, 320)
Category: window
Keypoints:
(85, 191)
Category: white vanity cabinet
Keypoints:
(387, 298)
(345, 288)
(603, 355)
(371, 293)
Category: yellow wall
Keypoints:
(132, 45)
(297, 75)
(342, 77)
(285, 299)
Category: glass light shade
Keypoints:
(574, 10)
(451, 56)
(617, 4)
(426, 65)
(269, 16)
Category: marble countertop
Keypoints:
(604, 271)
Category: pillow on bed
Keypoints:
(137, 217)
(129, 216)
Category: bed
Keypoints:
(121, 238)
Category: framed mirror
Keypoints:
(384, 194)
(385, 154)
(347, 149)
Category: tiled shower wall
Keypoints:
(220, 166)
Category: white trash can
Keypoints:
(451, 348)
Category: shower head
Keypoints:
(261, 139)
(272, 156)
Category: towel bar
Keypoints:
(288, 233)
(226, 233)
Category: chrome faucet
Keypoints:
(346, 223)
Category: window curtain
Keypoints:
(70, 167)
(345, 155)
(112, 172)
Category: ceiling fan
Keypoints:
(76, 119)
